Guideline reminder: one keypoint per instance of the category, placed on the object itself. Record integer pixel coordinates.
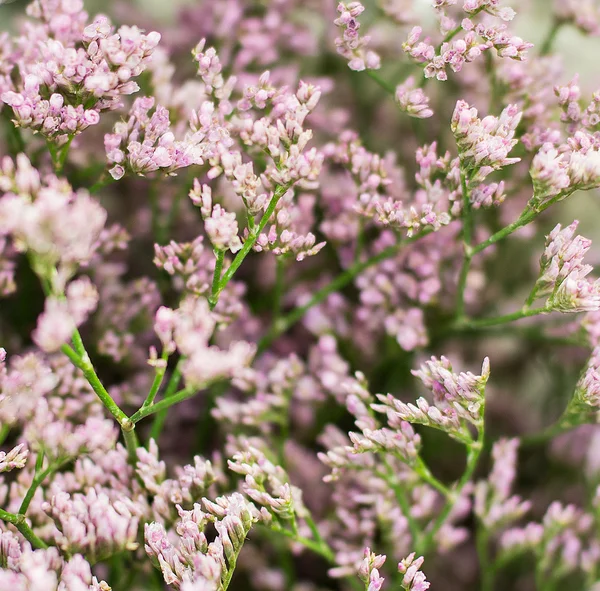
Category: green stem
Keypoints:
(102, 182)
(473, 454)
(165, 403)
(161, 416)
(220, 257)
(30, 536)
(402, 500)
(389, 88)
(467, 324)
(4, 431)
(425, 474)
(467, 217)
(317, 547)
(279, 288)
(336, 284)
(19, 522)
(158, 379)
(546, 46)
(527, 216)
(485, 568)
(37, 481)
(279, 192)
(85, 365)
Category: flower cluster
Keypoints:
(213, 294)
(70, 73)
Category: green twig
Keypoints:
(473, 324)
(486, 570)
(474, 452)
(387, 86)
(287, 321)
(278, 193)
(85, 365)
(546, 46)
(161, 416)
(158, 378)
(165, 403)
(467, 221)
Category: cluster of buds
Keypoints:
(48, 220)
(267, 484)
(92, 524)
(145, 143)
(566, 168)
(484, 144)
(25, 569)
(289, 234)
(563, 276)
(351, 45)
(494, 505)
(189, 329)
(587, 391)
(459, 400)
(584, 14)
(191, 482)
(75, 73)
(16, 458)
(221, 226)
(269, 405)
(564, 542)
(413, 100)
(194, 563)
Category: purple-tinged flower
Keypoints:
(584, 14)
(484, 144)
(351, 45)
(494, 505)
(459, 399)
(491, 7)
(145, 142)
(15, 458)
(413, 100)
(414, 579)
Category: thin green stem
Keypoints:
(165, 403)
(103, 181)
(158, 378)
(546, 46)
(219, 258)
(30, 536)
(279, 288)
(85, 365)
(387, 86)
(287, 321)
(474, 324)
(474, 452)
(278, 193)
(402, 500)
(425, 474)
(526, 217)
(4, 431)
(19, 522)
(131, 443)
(485, 568)
(161, 416)
(467, 234)
(316, 547)
(38, 480)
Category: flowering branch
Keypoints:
(251, 239)
(287, 321)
